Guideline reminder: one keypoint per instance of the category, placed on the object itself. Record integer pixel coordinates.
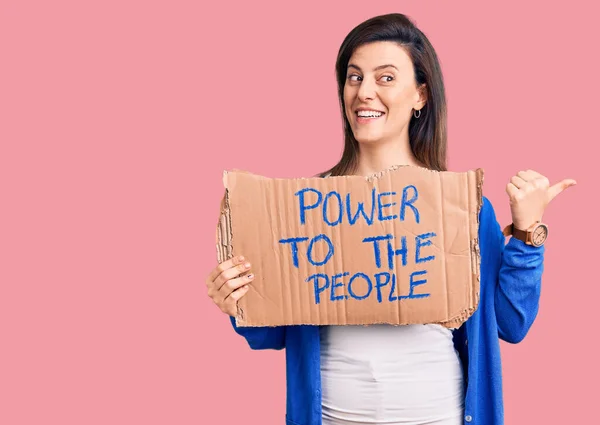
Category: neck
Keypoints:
(381, 155)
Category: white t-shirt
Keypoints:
(385, 374)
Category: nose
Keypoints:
(367, 89)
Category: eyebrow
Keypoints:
(351, 65)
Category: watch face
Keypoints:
(539, 235)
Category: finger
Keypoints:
(512, 190)
(555, 189)
(225, 265)
(534, 174)
(232, 284)
(230, 305)
(527, 175)
(230, 274)
(518, 181)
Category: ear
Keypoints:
(421, 96)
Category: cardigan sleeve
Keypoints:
(519, 281)
(262, 338)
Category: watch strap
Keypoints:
(517, 233)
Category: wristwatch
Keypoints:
(536, 235)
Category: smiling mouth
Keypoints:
(367, 117)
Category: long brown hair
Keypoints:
(427, 134)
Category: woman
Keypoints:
(394, 112)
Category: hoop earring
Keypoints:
(415, 115)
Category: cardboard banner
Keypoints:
(400, 247)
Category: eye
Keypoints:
(351, 77)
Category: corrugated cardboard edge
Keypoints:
(224, 239)
(458, 320)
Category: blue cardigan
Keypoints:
(510, 285)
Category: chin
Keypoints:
(368, 139)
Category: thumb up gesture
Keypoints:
(530, 193)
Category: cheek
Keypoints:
(399, 104)
(348, 104)
(347, 95)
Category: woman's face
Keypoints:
(380, 79)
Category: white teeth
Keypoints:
(369, 114)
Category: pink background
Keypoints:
(116, 122)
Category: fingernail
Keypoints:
(247, 265)
(241, 258)
(250, 276)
